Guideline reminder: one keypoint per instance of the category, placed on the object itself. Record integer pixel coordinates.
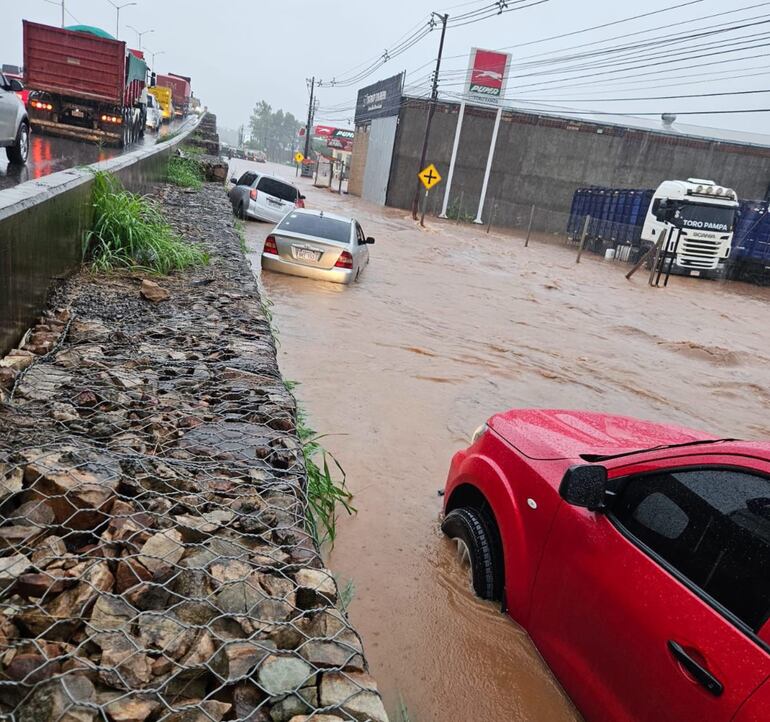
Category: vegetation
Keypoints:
(326, 487)
(402, 711)
(273, 132)
(456, 213)
(130, 232)
(185, 172)
(240, 230)
(347, 592)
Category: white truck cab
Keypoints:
(695, 218)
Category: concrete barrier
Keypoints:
(42, 226)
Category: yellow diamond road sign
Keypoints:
(429, 176)
(298, 157)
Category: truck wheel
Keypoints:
(478, 547)
(19, 151)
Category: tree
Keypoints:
(274, 132)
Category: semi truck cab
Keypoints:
(695, 218)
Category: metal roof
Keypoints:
(651, 124)
(655, 125)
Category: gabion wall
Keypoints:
(154, 560)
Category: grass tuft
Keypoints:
(130, 232)
(326, 483)
(402, 711)
(346, 594)
(185, 172)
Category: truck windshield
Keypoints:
(705, 218)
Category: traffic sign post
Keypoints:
(429, 177)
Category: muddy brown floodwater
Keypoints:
(447, 326)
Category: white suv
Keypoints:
(14, 123)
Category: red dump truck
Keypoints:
(84, 84)
(180, 91)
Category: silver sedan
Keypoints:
(317, 245)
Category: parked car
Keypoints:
(317, 245)
(154, 114)
(14, 123)
(636, 555)
(264, 197)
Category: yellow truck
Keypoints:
(163, 96)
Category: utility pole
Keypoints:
(431, 110)
(310, 110)
(58, 2)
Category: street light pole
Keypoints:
(431, 110)
(118, 8)
(309, 117)
(139, 34)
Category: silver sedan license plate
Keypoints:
(305, 254)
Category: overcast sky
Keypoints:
(252, 50)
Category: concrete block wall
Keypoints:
(542, 161)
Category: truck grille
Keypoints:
(698, 253)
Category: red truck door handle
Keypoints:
(696, 670)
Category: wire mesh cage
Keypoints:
(155, 561)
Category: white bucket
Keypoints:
(609, 254)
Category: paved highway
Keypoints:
(49, 155)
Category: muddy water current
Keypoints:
(447, 326)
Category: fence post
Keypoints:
(460, 207)
(583, 238)
(529, 227)
(492, 216)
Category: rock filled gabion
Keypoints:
(154, 558)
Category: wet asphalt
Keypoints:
(48, 154)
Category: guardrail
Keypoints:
(42, 223)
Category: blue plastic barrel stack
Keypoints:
(617, 216)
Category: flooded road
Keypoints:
(48, 154)
(448, 326)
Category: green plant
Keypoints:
(240, 230)
(456, 213)
(402, 711)
(326, 484)
(129, 231)
(346, 594)
(185, 172)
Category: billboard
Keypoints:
(379, 100)
(487, 76)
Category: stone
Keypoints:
(36, 512)
(301, 702)
(11, 480)
(161, 552)
(31, 668)
(111, 613)
(79, 495)
(130, 573)
(282, 675)
(334, 654)
(39, 585)
(316, 718)
(48, 550)
(236, 660)
(87, 331)
(163, 632)
(12, 567)
(123, 664)
(207, 711)
(63, 699)
(354, 693)
(317, 588)
(42, 382)
(153, 292)
(19, 537)
(18, 359)
(127, 709)
(61, 617)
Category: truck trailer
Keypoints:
(83, 84)
(180, 91)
